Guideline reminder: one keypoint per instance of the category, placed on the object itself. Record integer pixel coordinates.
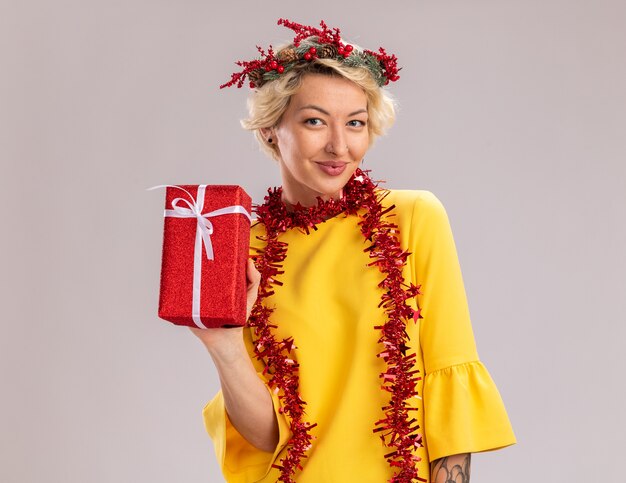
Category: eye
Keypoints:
(314, 121)
(356, 123)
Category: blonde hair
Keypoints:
(268, 103)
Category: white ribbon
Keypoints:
(204, 230)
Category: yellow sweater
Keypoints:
(329, 304)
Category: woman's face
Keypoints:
(321, 137)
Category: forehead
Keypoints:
(329, 93)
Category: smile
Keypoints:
(332, 168)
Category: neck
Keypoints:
(306, 201)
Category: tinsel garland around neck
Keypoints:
(397, 427)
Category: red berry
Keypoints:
(280, 69)
(346, 54)
(348, 48)
(273, 64)
(340, 50)
(313, 50)
(252, 85)
(307, 56)
(267, 68)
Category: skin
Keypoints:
(326, 120)
(451, 469)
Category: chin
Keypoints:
(332, 187)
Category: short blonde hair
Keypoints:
(267, 103)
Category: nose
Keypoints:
(337, 142)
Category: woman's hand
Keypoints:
(254, 279)
(223, 338)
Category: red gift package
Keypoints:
(206, 240)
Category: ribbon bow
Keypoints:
(194, 210)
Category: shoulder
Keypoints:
(415, 203)
(420, 216)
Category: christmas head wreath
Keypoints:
(312, 43)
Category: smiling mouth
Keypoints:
(332, 164)
(332, 168)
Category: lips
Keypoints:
(332, 168)
(332, 164)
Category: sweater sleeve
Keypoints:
(463, 410)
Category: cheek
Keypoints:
(287, 145)
(304, 144)
(363, 146)
(291, 140)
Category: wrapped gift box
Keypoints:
(206, 240)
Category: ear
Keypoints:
(267, 132)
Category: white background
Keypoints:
(513, 113)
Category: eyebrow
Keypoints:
(323, 111)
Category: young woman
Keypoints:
(358, 361)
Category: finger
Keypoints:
(254, 276)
